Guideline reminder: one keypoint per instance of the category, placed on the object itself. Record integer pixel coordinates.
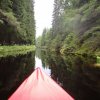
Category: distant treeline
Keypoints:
(75, 27)
(17, 25)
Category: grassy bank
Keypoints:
(15, 50)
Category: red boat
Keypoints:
(39, 86)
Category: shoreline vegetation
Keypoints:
(63, 52)
(15, 50)
(75, 28)
(96, 55)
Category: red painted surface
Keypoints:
(39, 86)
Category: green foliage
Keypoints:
(98, 59)
(38, 42)
(56, 43)
(75, 27)
(9, 18)
(89, 42)
(9, 28)
(69, 44)
(15, 50)
(17, 18)
(6, 5)
(44, 41)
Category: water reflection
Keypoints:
(13, 70)
(38, 63)
(76, 74)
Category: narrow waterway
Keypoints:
(77, 75)
(38, 63)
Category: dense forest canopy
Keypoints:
(75, 27)
(17, 25)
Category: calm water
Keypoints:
(38, 63)
(76, 74)
(13, 70)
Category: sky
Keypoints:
(43, 15)
(38, 63)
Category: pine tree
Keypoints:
(19, 16)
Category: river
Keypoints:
(77, 75)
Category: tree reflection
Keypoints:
(75, 73)
(13, 70)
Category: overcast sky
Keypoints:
(43, 15)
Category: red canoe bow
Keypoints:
(39, 86)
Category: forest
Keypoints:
(75, 28)
(17, 24)
(68, 51)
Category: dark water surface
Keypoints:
(76, 74)
(13, 70)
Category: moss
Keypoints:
(15, 50)
(98, 59)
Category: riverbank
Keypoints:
(15, 50)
